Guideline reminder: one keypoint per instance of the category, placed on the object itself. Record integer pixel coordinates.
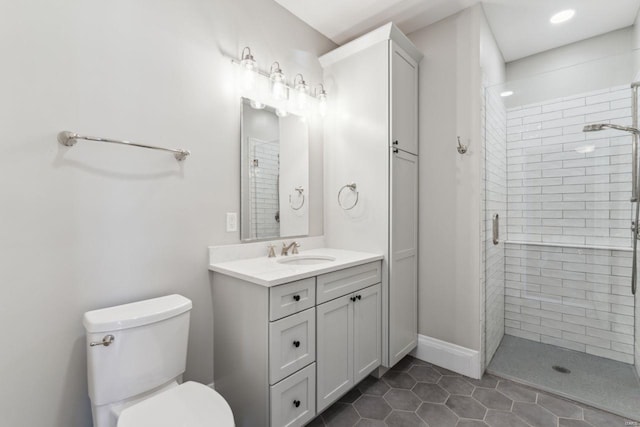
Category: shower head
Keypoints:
(601, 126)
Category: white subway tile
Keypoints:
(614, 299)
(563, 343)
(626, 310)
(585, 339)
(512, 324)
(564, 105)
(610, 336)
(534, 320)
(592, 305)
(564, 326)
(589, 109)
(563, 308)
(609, 96)
(524, 112)
(544, 117)
(618, 319)
(622, 348)
(610, 354)
(522, 334)
(541, 330)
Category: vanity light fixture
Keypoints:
(322, 100)
(278, 84)
(562, 16)
(248, 64)
(302, 91)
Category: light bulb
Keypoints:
(322, 101)
(278, 85)
(249, 66)
(302, 90)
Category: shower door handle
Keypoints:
(496, 229)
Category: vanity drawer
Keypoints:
(291, 298)
(293, 400)
(342, 282)
(292, 344)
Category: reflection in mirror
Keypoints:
(275, 173)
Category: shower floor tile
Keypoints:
(596, 381)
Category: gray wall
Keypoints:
(96, 225)
(457, 52)
(449, 266)
(597, 63)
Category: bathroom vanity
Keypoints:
(293, 334)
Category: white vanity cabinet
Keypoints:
(348, 342)
(371, 140)
(283, 353)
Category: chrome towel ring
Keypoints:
(353, 188)
(300, 191)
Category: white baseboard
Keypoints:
(450, 356)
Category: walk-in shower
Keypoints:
(560, 171)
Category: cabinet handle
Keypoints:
(395, 142)
(296, 297)
(395, 150)
(296, 403)
(353, 299)
(359, 296)
(296, 344)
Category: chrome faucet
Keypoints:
(293, 246)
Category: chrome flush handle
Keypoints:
(106, 341)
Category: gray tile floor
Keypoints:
(595, 381)
(415, 393)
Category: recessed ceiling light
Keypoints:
(563, 16)
(506, 93)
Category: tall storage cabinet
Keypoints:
(371, 140)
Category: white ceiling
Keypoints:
(521, 27)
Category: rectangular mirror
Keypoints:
(275, 173)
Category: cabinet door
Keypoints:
(367, 331)
(404, 100)
(403, 265)
(334, 350)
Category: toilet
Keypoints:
(136, 355)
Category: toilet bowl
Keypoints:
(136, 356)
(188, 405)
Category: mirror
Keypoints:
(275, 173)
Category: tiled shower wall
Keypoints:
(574, 298)
(495, 202)
(567, 187)
(265, 201)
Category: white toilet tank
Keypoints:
(149, 348)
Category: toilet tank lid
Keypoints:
(135, 314)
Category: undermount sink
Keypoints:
(306, 259)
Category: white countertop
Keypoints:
(268, 272)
